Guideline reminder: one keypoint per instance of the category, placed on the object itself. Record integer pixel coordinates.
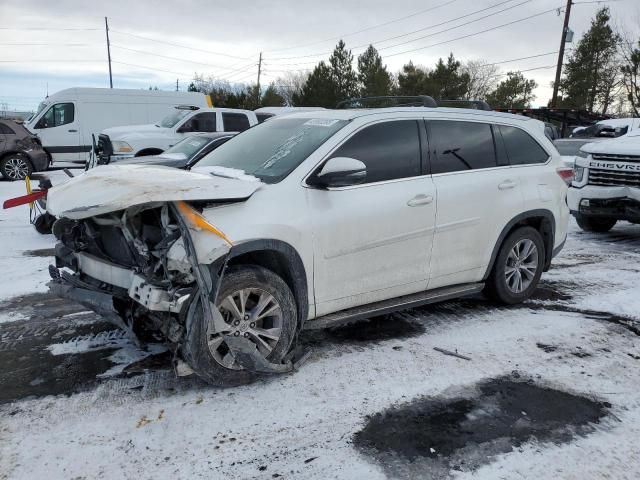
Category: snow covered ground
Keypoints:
(79, 401)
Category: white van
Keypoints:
(65, 120)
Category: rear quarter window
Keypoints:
(522, 148)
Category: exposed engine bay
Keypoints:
(137, 256)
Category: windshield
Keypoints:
(273, 149)
(40, 108)
(569, 148)
(188, 146)
(173, 118)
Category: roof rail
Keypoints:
(388, 101)
(473, 104)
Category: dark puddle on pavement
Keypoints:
(42, 252)
(373, 330)
(430, 437)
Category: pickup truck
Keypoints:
(118, 143)
(606, 187)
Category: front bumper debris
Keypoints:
(618, 208)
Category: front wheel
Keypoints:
(256, 304)
(594, 224)
(16, 166)
(518, 267)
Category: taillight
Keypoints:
(567, 174)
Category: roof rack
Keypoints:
(473, 104)
(410, 101)
(388, 101)
(186, 107)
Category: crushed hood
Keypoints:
(116, 187)
(627, 145)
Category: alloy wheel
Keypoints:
(16, 168)
(252, 313)
(521, 265)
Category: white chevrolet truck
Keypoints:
(606, 187)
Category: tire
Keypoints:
(215, 368)
(503, 287)
(44, 223)
(16, 166)
(594, 224)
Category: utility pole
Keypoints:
(258, 89)
(177, 86)
(563, 38)
(106, 28)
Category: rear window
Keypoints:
(461, 146)
(521, 148)
(235, 122)
(263, 116)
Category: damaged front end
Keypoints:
(132, 266)
(143, 268)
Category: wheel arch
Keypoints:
(282, 259)
(542, 220)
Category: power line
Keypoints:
(368, 28)
(70, 29)
(178, 45)
(49, 61)
(50, 44)
(170, 58)
(473, 34)
(427, 28)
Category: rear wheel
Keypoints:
(594, 224)
(255, 303)
(518, 267)
(16, 166)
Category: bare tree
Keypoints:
(482, 78)
(290, 85)
(630, 69)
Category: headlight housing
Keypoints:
(578, 174)
(121, 147)
(582, 154)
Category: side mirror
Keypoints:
(341, 172)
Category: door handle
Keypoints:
(421, 199)
(73, 130)
(507, 184)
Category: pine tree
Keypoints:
(448, 81)
(591, 72)
(344, 77)
(329, 84)
(514, 92)
(412, 80)
(271, 97)
(319, 89)
(374, 78)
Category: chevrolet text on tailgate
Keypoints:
(312, 220)
(606, 187)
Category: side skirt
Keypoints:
(393, 305)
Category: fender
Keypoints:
(549, 242)
(295, 264)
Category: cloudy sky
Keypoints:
(61, 44)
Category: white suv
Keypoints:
(312, 220)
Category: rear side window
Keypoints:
(521, 148)
(390, 150)
(58, 115)
(6, 130)
(263, 116)
(460, 146)
(235, 122)
(202, 122)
